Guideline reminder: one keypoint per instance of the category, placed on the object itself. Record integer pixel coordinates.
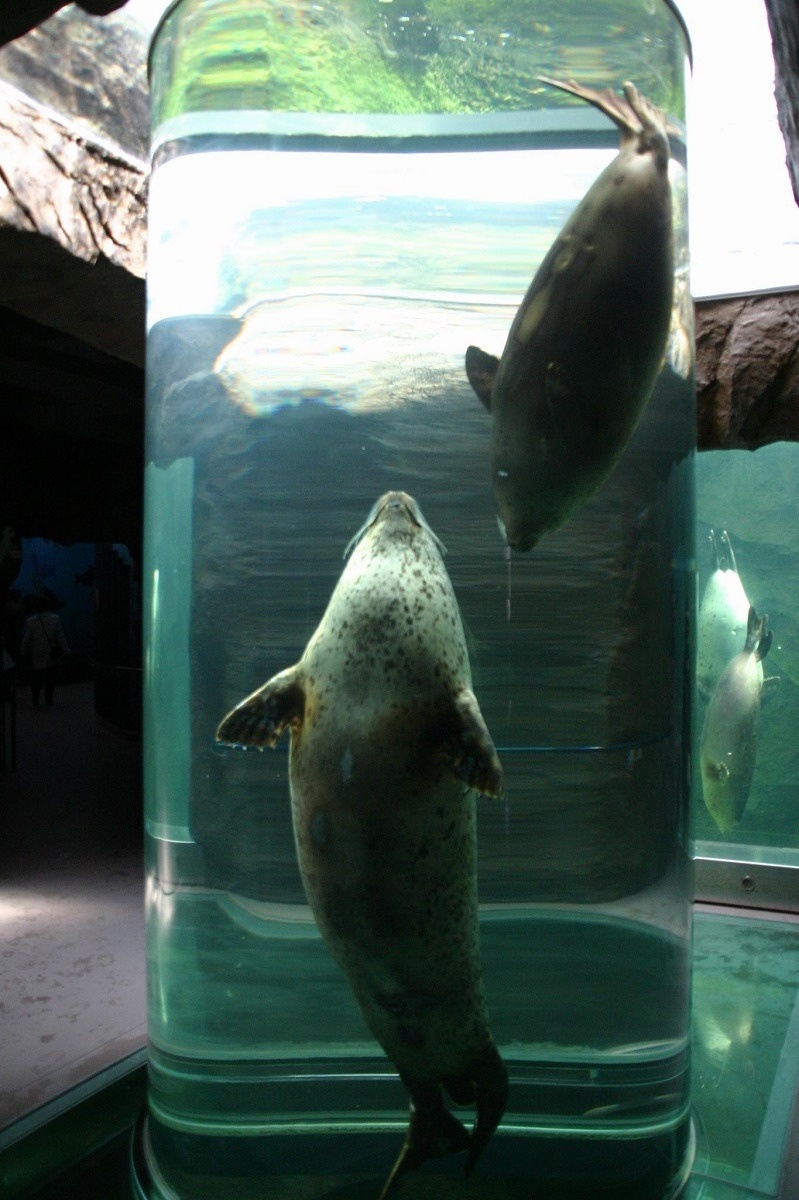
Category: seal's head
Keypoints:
(395, 514)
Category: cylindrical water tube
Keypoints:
(349, 202)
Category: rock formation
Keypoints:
(747, 371)
(73, 180)
(783, 19)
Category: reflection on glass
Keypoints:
(746, 1037)
(752, 497)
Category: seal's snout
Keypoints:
(389, 502)
(517, 537)
(522, 543)
(398, 510)
(399, 502)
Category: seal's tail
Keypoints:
(434, 1132)
(637, 119)
(758, 635)
(491, 1096)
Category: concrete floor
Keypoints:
(72, 978)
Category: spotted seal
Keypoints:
(585, 347)
(728, 746)
(723, 615)
(388, 747)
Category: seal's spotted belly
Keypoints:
(388, 747)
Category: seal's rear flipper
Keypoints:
(758, 635)
(763, 646)
(468, 745)
(491, 1097)
(481, 370)
(636, 117)
(432, 1133)
(261, 718)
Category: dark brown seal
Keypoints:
(585, 347)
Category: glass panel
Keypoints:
(315, 278)
(748, 553)
(358, 56)
(745, 1053)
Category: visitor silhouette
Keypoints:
(43, 646)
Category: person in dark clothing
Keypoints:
(43, 646)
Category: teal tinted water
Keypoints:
(306, 355)
(293, 1006)
(312, 1108)
(752, 496)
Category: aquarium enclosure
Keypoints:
(345, 196)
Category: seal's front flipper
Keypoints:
(481, 370)
(261, 718)
(432, 1133)
(469, 747)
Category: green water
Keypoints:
(438, 56)
(608, 1066)
(589, 1074)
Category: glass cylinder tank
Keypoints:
(345, 197)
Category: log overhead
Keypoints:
(72, 229)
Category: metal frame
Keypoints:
(726, 877)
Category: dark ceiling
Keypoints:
(18, 16)
(71, 452)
